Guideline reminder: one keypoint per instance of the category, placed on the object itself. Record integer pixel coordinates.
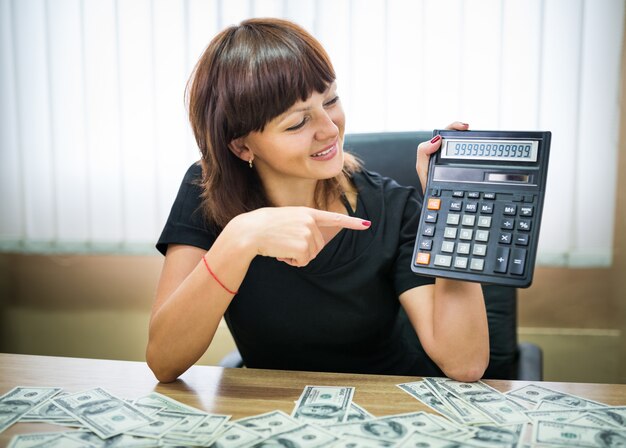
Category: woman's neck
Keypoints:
(300, 192)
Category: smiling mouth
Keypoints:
(324, 153)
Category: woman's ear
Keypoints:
(240, 149)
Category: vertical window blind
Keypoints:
(93, 133)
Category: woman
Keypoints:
(305, 254)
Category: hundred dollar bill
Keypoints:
(569, 435)
(415, 421)
(419, 439)
(533, 393)
(555, 416)
(269, 423)
(357, 413)
(47, 411)
(614, 414)
(203, 435)
(21, 400)
(588, 419)
(166, 404)
(211, 426)
(546, 406)
(423, 393)
(32, 439)
(103, 413)
(162, 424)
(47, 440)
(147, 408)
(237, 436)
(323, 405)
(305, 436)
(486, 399)
(497, 436)
(119, 441)
(188, 424)
(392, 428)
(469, 415)
(354, 441)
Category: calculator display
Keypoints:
(513, 150)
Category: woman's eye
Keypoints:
(298, 126)
(331, 102)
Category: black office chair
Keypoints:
(392, 154)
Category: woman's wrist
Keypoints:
(239, 239)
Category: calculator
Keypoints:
(482, 207)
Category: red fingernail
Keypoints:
(366, 223)
(435, 139)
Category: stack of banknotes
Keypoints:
(469, 415)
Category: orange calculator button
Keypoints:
(434, 204)
(422, 258)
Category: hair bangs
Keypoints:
(280, 66)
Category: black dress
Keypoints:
(340, 312)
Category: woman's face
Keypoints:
(305, 142)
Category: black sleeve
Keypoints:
(186, 223)
(404, 277)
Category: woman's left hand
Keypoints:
(426, 149)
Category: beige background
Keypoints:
(98, 306)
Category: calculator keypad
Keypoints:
(480, 232)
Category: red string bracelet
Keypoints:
(217, 279)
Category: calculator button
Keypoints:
(463, 248)
(435, 191)
(477, 264)
(502, 259)
(449, 232)
(428, 231)
(468, 220)
(522, 239)
(482, 235)
(465, 234)
(484, 221)
(443, 260)
(458, 193)
(510, 210)
(518, 260)
(453, 219)
(460, 262)
(426, 244)
(431, 217)
(489, 195)
(508, 224)
(422, 258)
(505, 238)
(447, 246)
(524, 225)
(456, 206)
(487, 208)
(434, 204)
(473, 195)
(526, 210)
(471, 207)
(480, 249)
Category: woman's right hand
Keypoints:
(294, 235)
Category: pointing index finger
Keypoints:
(331, 219)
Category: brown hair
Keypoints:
(248, 75)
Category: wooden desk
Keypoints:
(237, 392)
